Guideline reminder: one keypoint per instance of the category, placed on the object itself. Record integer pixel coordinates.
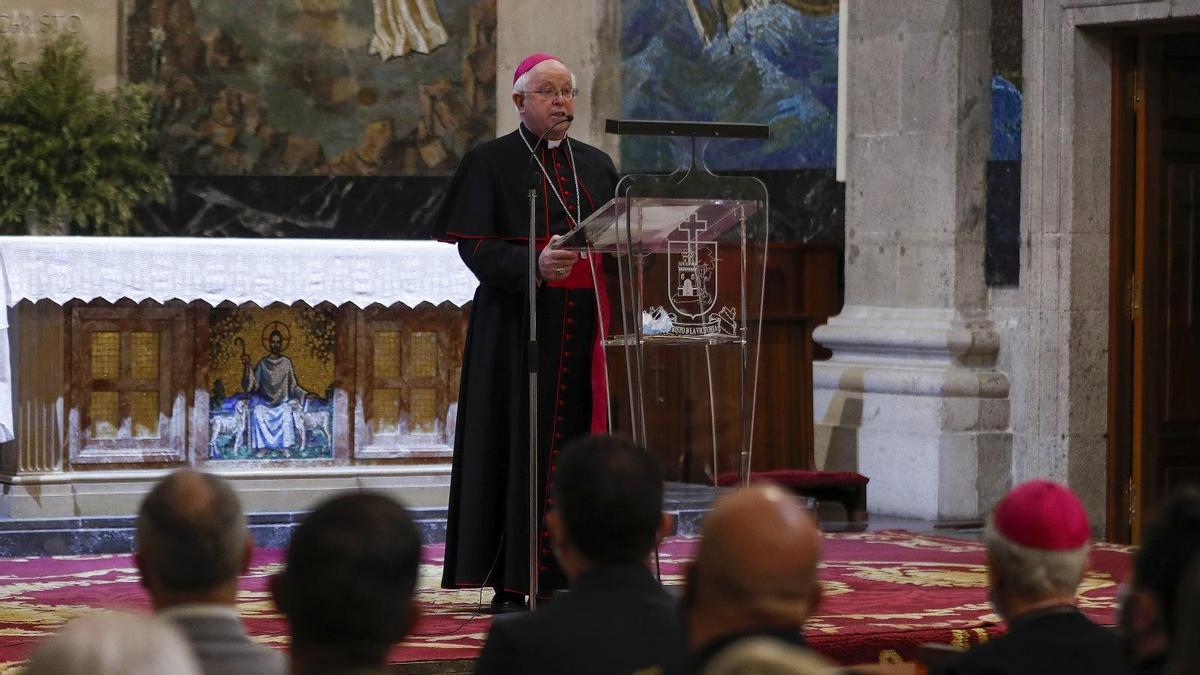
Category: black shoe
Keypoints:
(508, 603)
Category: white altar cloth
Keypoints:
(259, 271)
(214, 270)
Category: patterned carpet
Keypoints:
(885, 593)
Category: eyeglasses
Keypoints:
(567, 94)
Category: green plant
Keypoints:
(67, 149)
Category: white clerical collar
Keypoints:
(200, 609)
(553, 144)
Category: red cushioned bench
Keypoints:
(845, 487)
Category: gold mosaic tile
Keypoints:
(424, 410)
(144, 361)
(104, 413)
(308, 343)
(387, 353)
(106, 355)
(385, 410)
(145, 411)
(422, 360)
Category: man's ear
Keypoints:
(247, 554)
(141, 568)
(666, 525)
(519, 101)
(689, 586)
(278, 585)
(1145, 612)
(993, 575)
(818, 594)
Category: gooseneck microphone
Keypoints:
(534, 176)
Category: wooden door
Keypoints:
(1155, 322)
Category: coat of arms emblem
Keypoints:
(692, 281)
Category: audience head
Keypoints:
(607, 503)
(1170, 543)
(1185, 650)
(768, 656)
(348, 584)
(192, 541)
(114, 643)
(756, 565)
(1037, 544)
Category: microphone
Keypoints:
(534, 177)
(568, 118)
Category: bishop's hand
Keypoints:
(556, 264)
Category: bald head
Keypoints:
(757, 562)
(191, 532)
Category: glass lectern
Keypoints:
(681, 305)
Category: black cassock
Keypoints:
(486, 213)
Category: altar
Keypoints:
(294, 368)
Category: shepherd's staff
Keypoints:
(245, 364)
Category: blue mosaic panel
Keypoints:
(771, 63)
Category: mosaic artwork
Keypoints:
(141, 352)
(1002, 254)
(317, 87)
(1007, 80)
(407, 400)
(769, 62)
(271, 383)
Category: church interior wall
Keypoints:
(1055, 326)
(296, 123)
(387, 181)
(316, 120)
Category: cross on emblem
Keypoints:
(690, 286)
(693, 226)
(688, 280)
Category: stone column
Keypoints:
(911, 397)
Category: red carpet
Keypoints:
(885, 593)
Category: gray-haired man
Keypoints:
(1037, 544)
(192, 545)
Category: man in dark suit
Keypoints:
(606, 518)
(192, 544)
(1037, 544)
(348, 584)
(754, 579)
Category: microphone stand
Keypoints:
(534, 179)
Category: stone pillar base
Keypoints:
(911, 400)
